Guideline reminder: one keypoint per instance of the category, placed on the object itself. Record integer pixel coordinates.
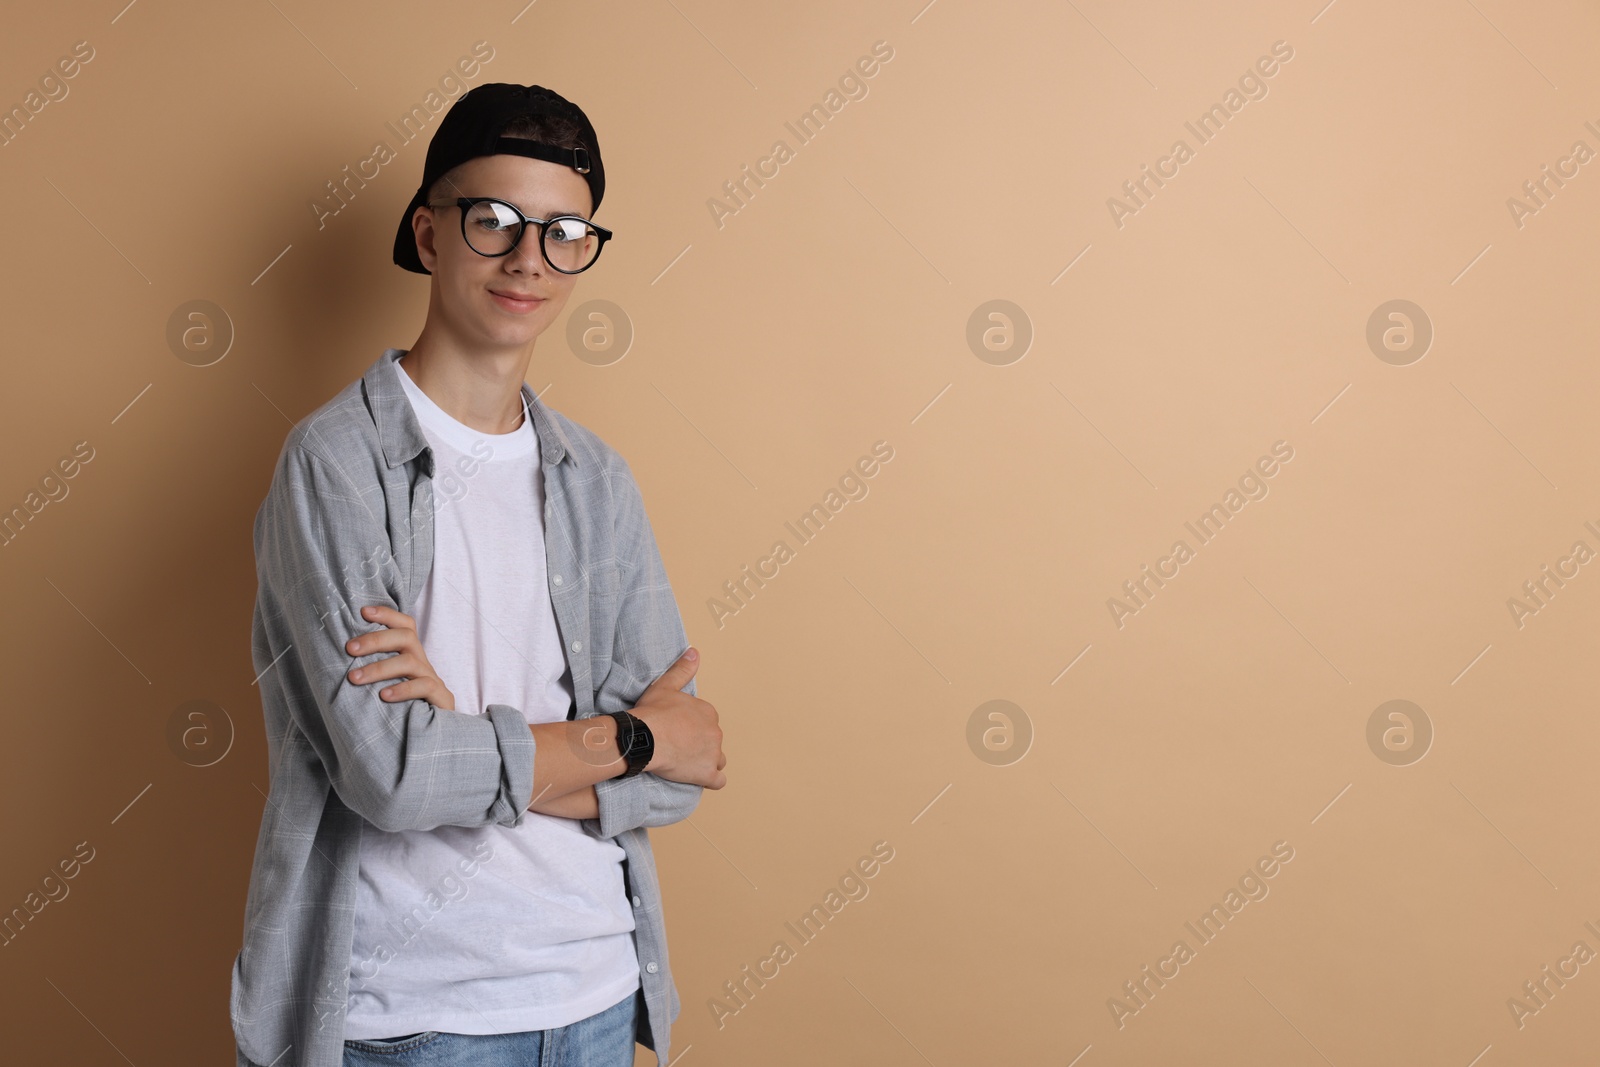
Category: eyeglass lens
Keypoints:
(492, 229)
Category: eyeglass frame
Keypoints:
(464, 202)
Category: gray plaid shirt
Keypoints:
(347, 522)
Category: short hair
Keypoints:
(550, 129)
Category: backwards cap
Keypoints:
(472, 128)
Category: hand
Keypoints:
(410, 663)
(688, 740)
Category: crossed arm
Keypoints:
(666, 792)
(579, 804)
(571, 757)
(582, 802)
(403, 761)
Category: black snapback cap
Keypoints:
(472, 127)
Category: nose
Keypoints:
(526, 258)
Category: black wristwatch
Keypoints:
(635, 742)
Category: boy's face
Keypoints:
(465, 283)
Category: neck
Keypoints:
(481, 389)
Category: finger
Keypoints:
(381, 641)
(409, 689)
(678, 675)
(401, 666)
(426, 688)
(392, 617)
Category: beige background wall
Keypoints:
(1042, 858)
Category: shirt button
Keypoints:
(636, 902)
(557, 579)
(651, 966)
(577, 646)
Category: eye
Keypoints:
(492, 217)
(567, 230)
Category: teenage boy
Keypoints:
(468, 885)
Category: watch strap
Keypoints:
(635, 743)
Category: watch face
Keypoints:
(644, 743)
(634, 742)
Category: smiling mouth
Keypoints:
(517, 301)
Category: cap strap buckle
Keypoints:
(576, 158)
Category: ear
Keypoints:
(422, 228)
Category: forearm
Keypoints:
(579, 804)
(644, 800)
(612, 804)
(569, 758)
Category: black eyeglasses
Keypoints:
(492, 227)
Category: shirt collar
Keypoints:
(400, 434)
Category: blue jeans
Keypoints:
(605, 1039)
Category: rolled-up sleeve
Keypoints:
(650, 637)
(322, 555)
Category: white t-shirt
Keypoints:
(492, 929)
